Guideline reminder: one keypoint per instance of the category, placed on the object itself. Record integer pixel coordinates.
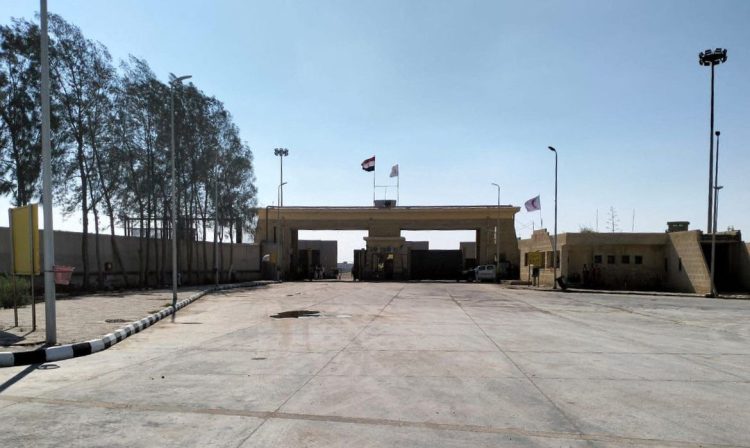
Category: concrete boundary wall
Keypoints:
(243, 260)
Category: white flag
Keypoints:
(533, 204)
(394, 170)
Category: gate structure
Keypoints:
(387, 256)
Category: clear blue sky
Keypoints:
(464, 93)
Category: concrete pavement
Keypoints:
(402, 364)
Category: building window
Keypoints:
(679, 264)
(597, 259)
(610, 259)
(625, 259)
(639, 259)
(526, 259)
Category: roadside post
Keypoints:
(25, 257)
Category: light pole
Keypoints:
(281, 152)
(49, 242)
(172, 84)
(279, 252)
(216, 219)
(714, 292)
(554, 243)
(712, 59)
(497, 230)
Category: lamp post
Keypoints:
(497, 230)
(49, 242)
(711, 58)
(173, 84)
(714, 292)
(281, 235)
(554, 243)
(281, 152)
(216, 219)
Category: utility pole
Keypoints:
(49, 238)
(554, 256)
(173, 83)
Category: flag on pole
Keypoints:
(369, 164)
(533, 204)
(394, 170)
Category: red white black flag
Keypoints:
(369, 164)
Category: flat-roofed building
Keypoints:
(671, 261)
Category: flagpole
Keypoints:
(541, 219)
(373, 186)
(398, 181)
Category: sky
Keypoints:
(461, 94)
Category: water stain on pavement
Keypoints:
(295, 314)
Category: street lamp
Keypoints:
(554, 255)
(173, 84)
(497, 230)
(281, 152)
(711, 58)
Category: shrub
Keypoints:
(23, 291)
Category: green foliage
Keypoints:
(112, 140)
(23, 291)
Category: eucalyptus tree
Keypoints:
(20, 145)
(82, 69)
(111, 143)
(141, 140)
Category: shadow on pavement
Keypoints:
(18, 377)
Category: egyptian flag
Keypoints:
(369, 164)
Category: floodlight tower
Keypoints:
(711, 58)
(281, 152)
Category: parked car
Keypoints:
(485, 272)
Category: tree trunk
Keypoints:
(206, 275)
(231, 250)
(140, 245)
(115, 249)
(84, 215)
(97, 248)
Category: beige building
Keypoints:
(387, 254)
(671, 261)
(318, 253)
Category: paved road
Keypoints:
(402, 364)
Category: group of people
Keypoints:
(590, 276)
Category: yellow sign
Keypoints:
(24, 225)
(536, 258)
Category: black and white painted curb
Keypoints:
(61, 352)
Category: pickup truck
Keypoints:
(485, 272)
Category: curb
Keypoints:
(68, 351)
(609, 292)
